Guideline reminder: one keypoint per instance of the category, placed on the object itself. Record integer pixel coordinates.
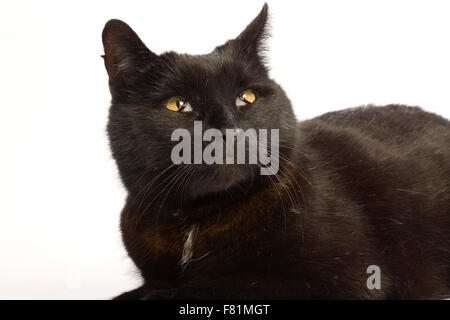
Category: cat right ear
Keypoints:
(125, 55)
(250, 44)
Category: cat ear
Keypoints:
(125, 55)
(250, 43)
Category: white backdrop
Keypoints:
(60, 196)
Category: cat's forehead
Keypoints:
(208, 63)
(210, 68)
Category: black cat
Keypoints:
(361, 187)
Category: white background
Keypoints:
(60, 196)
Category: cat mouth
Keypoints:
(217, 178)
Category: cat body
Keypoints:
(367, 186)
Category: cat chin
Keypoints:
(219, 178)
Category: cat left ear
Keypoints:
(125, 55)
(250, 43)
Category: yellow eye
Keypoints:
(246, 96)
(178, 104)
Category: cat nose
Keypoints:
(223, 117)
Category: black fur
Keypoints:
(358, 187)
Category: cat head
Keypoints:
(153, 95)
